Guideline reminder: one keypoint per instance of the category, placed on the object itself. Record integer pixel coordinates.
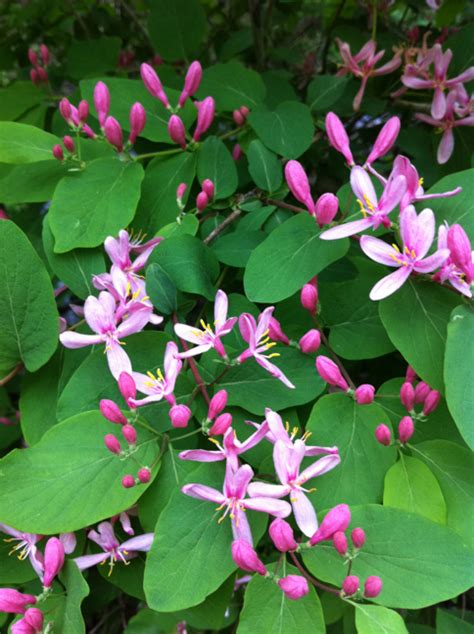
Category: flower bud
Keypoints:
(137, 121)
(191, 82)
(410, 375)
(310, 342)
(42, 74)
(407, 396)
(101, 101)
(221, 425)
(83, 110)
(35, 619)
(383, 435)
(130, 434)
(22, 627)
(338, 136)
(69, 144)
(298, 183)
(58, 152)
(112, 444)
(460, 247)
(238, 118)
(364, 394)
(275, 332)
(330, 373)
(33, 57)
(431, 402)
(180, 415)
(153, 84)
(385, 139)
(372, 587)
(246, 558)
(358, 537)
(45, 54)
(236, 152)
(217, 404)
(421, 391)
(15, 602)
(180, 191)
(53, 560)
(282, 535)
(294, 586)
(65, 109)
(205, 117)
(350, 585)
(128, 481)
(405, 429)
(34, 76)
(202, 201)
(111, 412)
(127, 386)
(326, 209)
(208, 186)
(309, 297)
(339, 540)
(244, 111)
(144, 475)
(177, 131)
(113, 133)
(336, 521)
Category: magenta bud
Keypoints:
(221, 425)
(372, 587)
(364, 394)
(65, 110)
(383, 435)
(176, 130)
(385, 139)
(53, 560)
(42, 74)
(83, 110)
(407, 396)
(336, 521)
(45, 54)
(350, 585)
(298, 183)
(202, 201)
(338, 136)
(236, 152)
(205, 116)
(35, 619)
(130, 434)
(217, 404)
(153, 84)
(33, 57)
(275, 331)
(431, 402)
(326, 209)
(101, 101)
(310, 342)
(111, 412)
(113, 133)
(309, 297)
(58, 152)
(127, 386)
(461, 251)
(339, 541)
(238, 118)
(34, 76)
(405, 429)
(69, 144)
(191, 82)
(246, 558)
(180, 415)
(421, 391)
(15, 602)
(144, 475)
(208, 186)
(128, 481)
(180, 191)
(358, 537)
(330, 373)
(137, 121)
(410, 375)
(112, 443)
(282, 535)
(294, 586)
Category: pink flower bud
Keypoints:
(244, 111)
(358, 537)
(238, 118)
(35, 619)
(208, 186)
(191, 82)
(180, 415)
(13, 601)
(144, 475)
(202, 201)
(221, 425)
(385, 139)
(407, 396)
(282, 535)
(246, 558)
(338, 136)
(111, 412)
(330, 373)
(130, 434)
(22, 627)
(310, 342)
(217, 404)
(294, 586)
(336, 521)
(180, 191)
(236, 152)
(383, 435)
(326, 209)
(53, 560)
(364, 394)
(405, 429)
(205, 117)
(461, 252)
(421, 391)
(127, 386)
(275, 331)
(69, 144)
(3, 214)
(128, 481)
(65, 110)
(34, 76)
(112, 444)
(58, 152)
(339, 540)
(410, 375)
(45, 54)
(431, 402)
(309, 297)
(101, 101)
(176, 130)
(42, 74)
(113, 133)
(33, 57)
(350, 585)
(83, 110)
(372, 587)
(298, 183)
(153, 84)
(137, 121)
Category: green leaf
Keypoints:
(324, 91)
(161, 289)
(411, 486)
(287, 130)
(31, 182)
(337, 420)
(234, 249)
(216, 163)
(69, 479)
(290, 256)
(93, 57)
(459, 370)
(267, 609)
(79, 217)
(68, 616)
(21, 143)
(28, 316)
(148, 621)
(264, 167)
(177, 28)
(420, 335)
(232, 85)
(399, 548)
(447, 623)
(372, 619)
(459, 208)
(18, 97)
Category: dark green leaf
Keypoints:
(21, 143)
(264, 167)
(232, 85)
(216, 163)
(161, 289)
(177, 28)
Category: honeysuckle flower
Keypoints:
(208, 338)
(287, 462)
(162, 385)
(53, 560)
(31, 623)
(375, 211)
(417, 234)
(25, 546)
(450, 271)
(259, 342)
(100, 316)
(233, 499)
(113, 550)
(14, 602)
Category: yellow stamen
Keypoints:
(287, 426)
(150, 374)
(216, 442)
(413, 254)
(395, 246)
(368, 203)
(274, 354)
(270, 345)
(421, 181)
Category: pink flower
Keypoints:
(53, 560)
(329, 372)
(385, 139)
(31, 623)
(451, 271)
(191, 82)
(338, 137)
(372, 587)
(294, 586)
(26, 546)
(417, 234)
(298, 183)
(337, 519)
(153, 84)
(101, 101)
(246, 558)
(282, 535)
(205, 116)
(162, 385)
(15, 602)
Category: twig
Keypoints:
(193, 367)
(11, 375)
(225, 223)
(282, 205)
(314, 581)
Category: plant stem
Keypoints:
(220, 228)
(374, 19)
(11, 374)
(140, 157)
(282, 205)
(314, 581)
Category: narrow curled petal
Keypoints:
(202, 455)
(445, 147)
(87, 561)
(77, 340)
(390, 283)
(202, 492)
(323, 465)
(274, 370)
(189, 333)
(264, 489)
(347, 229)
(221, 307)
(304, 513)
(362, 186)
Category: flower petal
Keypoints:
(408, 226)
(135, 322)
(304, 513)
(90, 560)
(241, 528)
(202, 492)
(425, 233)
(221, 306)
(278, 508)
(118, 359)
(280, 460)
(347, 229)
(274, 370)
(202, 455)
(433, 261)
(77, 340)
(393, 193)
(263, 489)
(320, 467)
(140, 542)
(190, 333)
(445, 147)
(379, 251)
(362, 186)
(247, 327)
(192, 352)
(390, 283)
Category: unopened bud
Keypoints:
(127, 386)
(217, 404)
(35, 619)
(236, 152)
(330, 373)
(275, 331)
(460, 247)
(298, 183)
(58, 152)
(405, 429)
(53, 560)
(177, 131)
(65, 110)
(385, 139)
(191, 82)
(128, 481)
(407, 396)
(180, 191)
(202, 200)
(15, 602)
(42, 74)
(238, 118)
(383, 435)
(431, 402)
(45, 54)
(364, 394)
(358, 537)
(137, 121)
(294, 586)
(144, 475)
(421, 391)
(326, 209)
(69, 144)
(350, 585)
(336, 521)
(221, 425)
(33, 57)
(339, 540)
(309, 296)
(130, 434)
(338, 136)
(83, 110)
(111, 412)
(180, 415)
(246, 558)
(410, 375)
(282, 535)
(101, 102)
(208, 186)
(113, 133)
(34, 76)
(112, 444)
(205, 117)
(310, 342)
(153, 84)
(244, 111)
(372, 587)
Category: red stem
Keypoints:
(314, 581)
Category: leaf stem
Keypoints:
(315, 582)
(140, 157)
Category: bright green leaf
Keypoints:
(234, 249)
(161, 289)
(324, 91)
(21, 143)
(457, 209)
(264, 167)
(216, 163)
(373, 619)
(232, 85)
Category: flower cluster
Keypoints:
(40, 59)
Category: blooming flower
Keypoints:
(26, 546)
(159, 386)
(417, 233)
(450, 271)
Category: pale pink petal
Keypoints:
(304, 513)
(241, 479)
(117, 249)
(426, 227)
(432, 262)
(241, 528)
(202, 455)
(68, 540)
(446, 146)
(90, 560)
(276, 426)
(360, 94)
(315, 450)
(140, 542)
(135, 322)
(191, 334)
(146, 251)
(416, 83)
(465, 77)
(117, 359)
(461, 286)
(379, 251)
(362, 186)
(255, 438)
(264, 323)
(202, 492)
(323, 465)
(77, 340)
(120, 281)
(108, 303)
(389, 67)
(153, 398)
(347, 229)
(438, 105)
(408, 226)
(393, 193)
(265, 490)
(172, 364)
(142, 381)
(247, 327)
(390, 283)
(274, 371)
(221, 306)
(280, 460)
(192, 352)
(275, 507)
(95, 315)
